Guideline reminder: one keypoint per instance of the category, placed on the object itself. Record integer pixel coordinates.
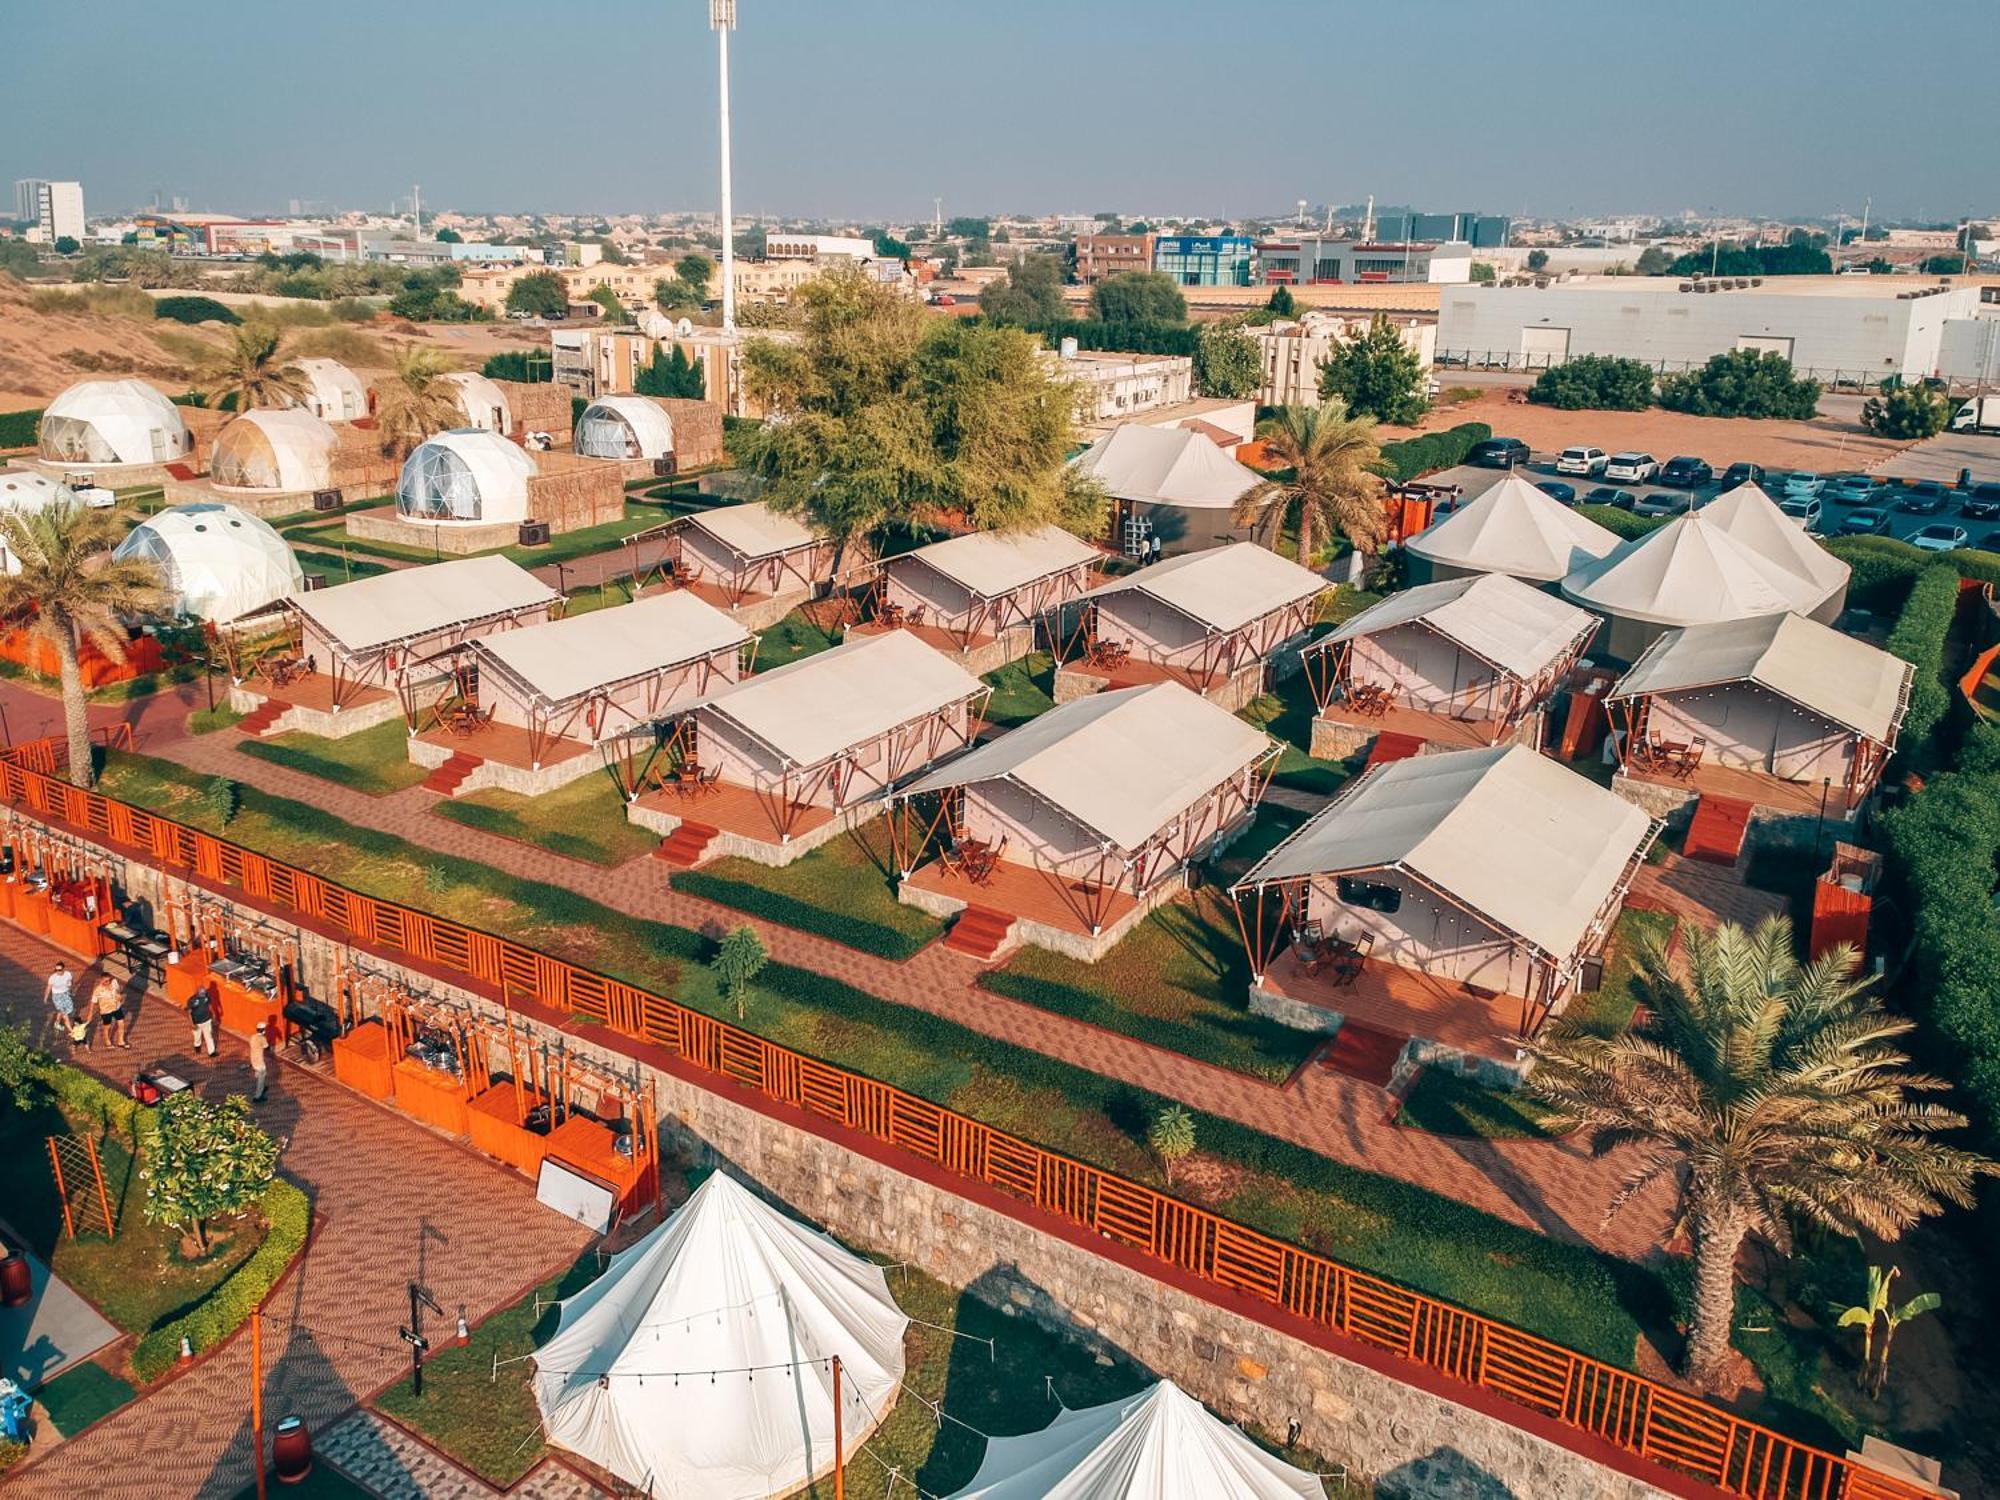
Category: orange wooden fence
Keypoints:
(1639, 1416)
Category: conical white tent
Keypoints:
(700, 1363)
(1161, 1444)
(219, 562)
(1514, 529)
(1750, 515)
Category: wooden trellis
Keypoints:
(79, 1178)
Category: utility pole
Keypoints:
(722, 21)
(413, 1334)
(937, 218)
(417, 210)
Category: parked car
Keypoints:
(1584, 461)
(1848, 489)
(1924, 498)
(1800, 483)
(1685, 473)
(1737, 474)
(1498, 453)
(1939, 536)
(1805, 509)
(1631, 468)
(1864, 523)
(1663, 503)
(1555, 489)
(1982, 502)
(1604, 494)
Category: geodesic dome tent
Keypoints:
(289, 449)
(484, 403)
(334, 393)
(113, 422)
(466, 475)
(26, 491)
(624, 427)
(219, 562)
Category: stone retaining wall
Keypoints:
(246, 699)
(1769, 827)
(773, 852)
(1337, 739)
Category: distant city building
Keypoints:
(1314, 261)
(487, 285)
(58, 211)
(1205, 259)
(28, 199)
(1114, 387)
(1294, 352)
(1097, 256)
(1483, 231)
(786, 246)
(595, 362)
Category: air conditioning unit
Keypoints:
(664, 468)
(315, 581)
(326, 499)
(534, 533)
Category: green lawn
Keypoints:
(1021, 690)
(639, 515)
(376, 761)
(335, 567)
(584, 820)
(208, 720)
(791, 639)
(81, 1395)
(1286, 715)
(1446, 1103)
(842, 890)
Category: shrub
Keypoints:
(1620, 523)
(20, 429)
(289, 1215)
(207, 1159)
(1404, 461)
(1595, 382)
(194, 310)
(1919, 639)
(1121, 337)
(740, 958)
(1171, 1135)
(1742, 383)
(1908, 412)
(525, 365)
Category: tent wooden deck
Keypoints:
(1432, 729)
(507, 745)
(763, 816)
(1799, 798)
(1026, 893)
(1389, 997)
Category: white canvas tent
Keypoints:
(219, 562)
(279, 448)
(1223, 588)
(1513, 528)
(485, 405)
(700, 1363)
(1749, 515)
(113, 422)
(1519, 630)
(26, 491)
(1161, 1444)
(625, 427)
(333, 392)
(1172, 484)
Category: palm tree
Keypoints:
(252, 370)
(1773, 1093)
(69, 589)
(416, 401)
(1334, 486)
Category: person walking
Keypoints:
(60, 992)
(201, 1012)
(108, 1001)
(260, 1060)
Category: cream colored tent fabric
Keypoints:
(1526, 843)
(412, 602)
(1513, 528)
(26, 491)
(1822, 671)
(753, 531)
(113, 422)
(221, 563)
(1689, 572)
(1222, 588)
(563, 659)
(988, 564)
(699, 1365)
(278, 449)
(1749, 515)
(334, 393)
(1167, 466)
(624, 427)
(1497, 618)
(1123, 764)
(485, 405)
(811, 710)
(466, 475)
(1161, 1444)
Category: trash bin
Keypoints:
(17, 1280)
(291, 1450)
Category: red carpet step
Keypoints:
(979, 933)
(1390, 747)
(1364, 1052)
(262, 717)
(1717, 832)
(684, 847)
(448, 777)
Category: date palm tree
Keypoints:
(252, 369)
(69, 590)
(1332, 458)
(416, 402)
(1773, 1093)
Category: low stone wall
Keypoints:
(451, 538)
(1769, 827)
(762, 614)
(494, 773)
(1233, 693)
(267, 504)
(246, 699)
(772, 852)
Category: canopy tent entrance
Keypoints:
(1172, 486)
(974, 587)
(736, 554)
(702, 1361)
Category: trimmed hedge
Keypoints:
(1119, 337)
(1620, 523)
(1919, 639)
(194, 310)
(289, 1214)
(1404, 461)
(19, 429)
(786, 911)
(1884, 568)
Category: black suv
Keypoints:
(1498, 453)
(1737, 474)
(1924, 498)
(1686, 473)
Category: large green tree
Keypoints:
(1742, 383)
(1138, 297)
(1906, 412)
(671, 373)
(1030, 292)
(540, 294)
(205, 1160)
(1595, 382)
(1772, 1095)
(1377, 375)
(1228, 365)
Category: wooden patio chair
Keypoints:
(1691, 757)
(1353, 960)
(915, 616)
(708, 783)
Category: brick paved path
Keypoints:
(388, 1198)
(383, 1457)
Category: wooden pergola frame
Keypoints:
(198, 922)
(1329, 671)
(1219, 654)
(762, 574)
(1039, 601)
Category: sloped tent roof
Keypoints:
(1161, 1444)
(220, 562)
(1167, 466)
(1750, 515)
(809, 711)
(755, 530)
(467, 474)
(564, 659)
(1823, 671)
(1222, 588)
(1123, 764)
(274, 449)
(1689, 572)
(1526, 843)
(479, 397)
(27, 491)
(122, 415)
(336, 393)
(1499, 619)
(1514, 528)
(990, 564)
(400, 605)
(726, 1285)
(609, 422)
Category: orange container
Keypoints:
(361, 1061)
(430, 1096)
(490, 1123)
(239, 1010)
(591, 1149)
(186, 977)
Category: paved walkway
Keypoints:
(385, 1458)
(391, 1201)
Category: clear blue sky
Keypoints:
(869, 108)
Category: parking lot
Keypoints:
(1945, 457)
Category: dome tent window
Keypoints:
(437, 486)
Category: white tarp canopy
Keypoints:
(564, 659)
(1749, 515)
(113, 422)
(1221, 588)
(275, 448)
(624, 427)
(812, 710)
(754, 531)
(1526, 843)
(990, 564)
(1689, 572)
(1167, 466)
(1161, 1444)
(220, 562)
(485, 405)
(1848, 681)
(410, 602)
(1513, 528)
(334, 393)
(726, 1287)
(1499, 619)
(1123, 764)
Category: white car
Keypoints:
(1631, 468)
(1939, 537)
(1805, 509)
(1585, 461)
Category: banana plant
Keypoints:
(1878, 1318)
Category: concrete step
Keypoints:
(979, 933)
(684, 847)
(447, 778)
(262, 717)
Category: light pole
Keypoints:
(722, 21)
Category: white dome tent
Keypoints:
(625, 427)
(26, 491)
(485, 405)
(272, 449)
(1161, 1444)
(700, 1362)
(220, 563)
(334, 393)
(113, 422)
(466, 475)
